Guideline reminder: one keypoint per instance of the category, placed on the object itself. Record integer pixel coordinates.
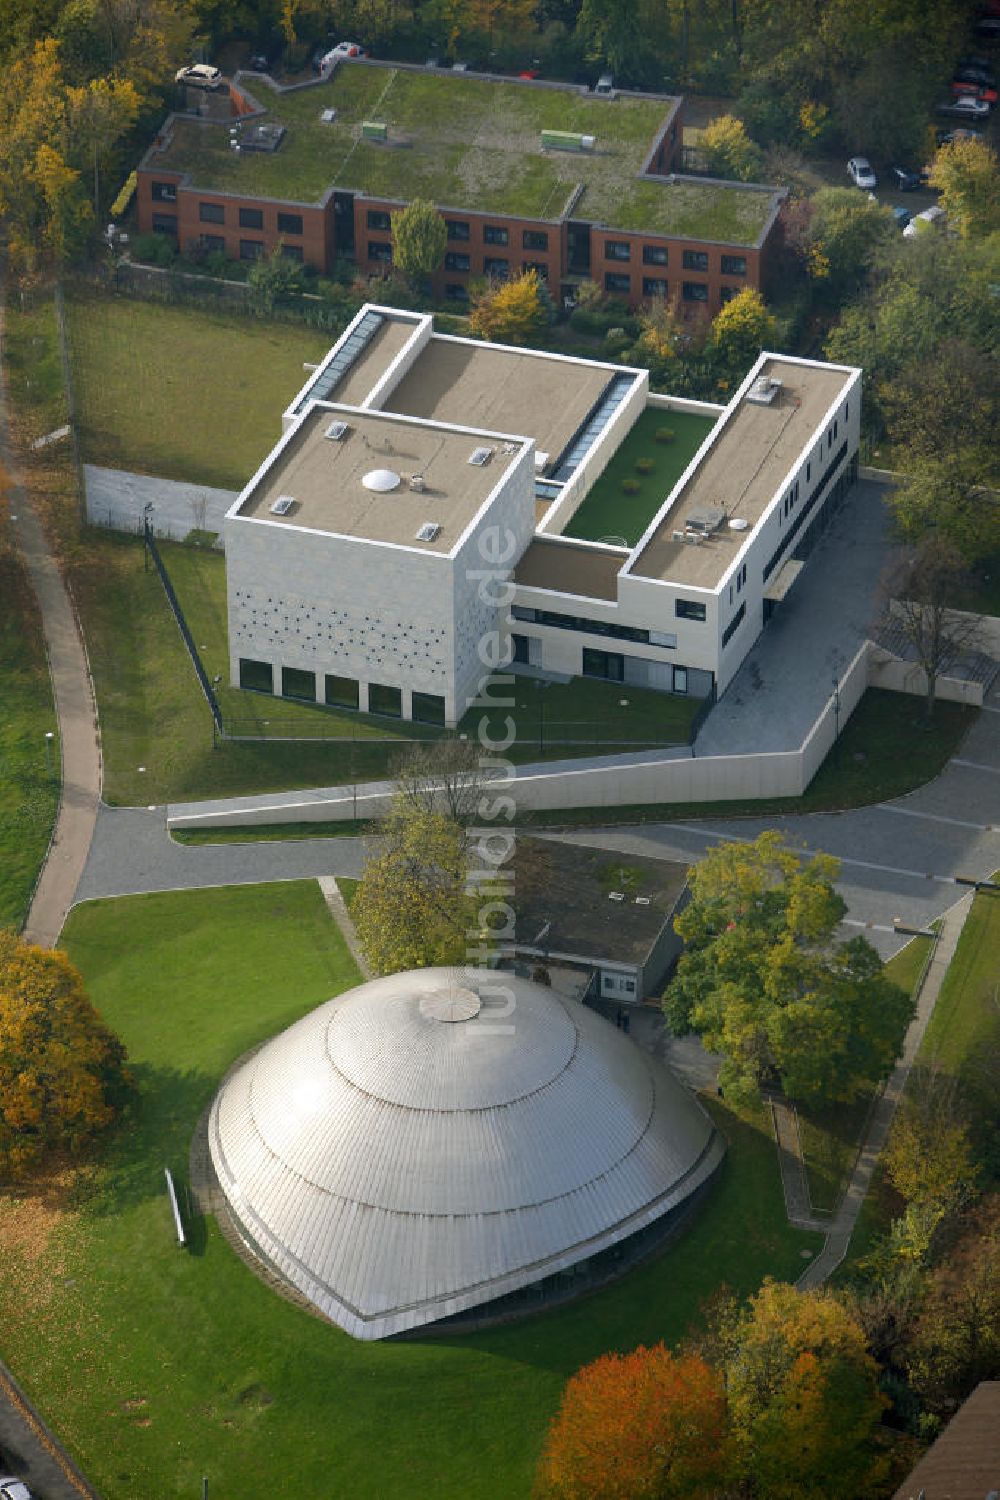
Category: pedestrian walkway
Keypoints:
(338, 910)
(794, 1182)
(76, 712)
(839, 1235)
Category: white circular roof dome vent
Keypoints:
(430, 1141)
(381, 481)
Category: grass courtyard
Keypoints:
(185, 1364)
(652, 468)
(464, 141)
(182, 392)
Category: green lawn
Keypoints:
(465, 141)
(830, 1136)
(608, 510)
(965, 1016)
(29, 777)
(34, 369)
(185, 1365)
(181, 392)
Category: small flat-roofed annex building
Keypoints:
(415, 463)
(527, 174)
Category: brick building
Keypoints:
(526, 174)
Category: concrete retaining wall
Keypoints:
(117, 499)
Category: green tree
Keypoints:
(511, 311)
(847, 230)
(411, 908)
(419, 240)
(928, 1157)
(62, 1072)
(273, 277)
(729, 151)
(742, 328)
(956, 1341)
(967, 177)
(803, 1396)
(764, 983)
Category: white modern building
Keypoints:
(429, 1142)
(415, 467)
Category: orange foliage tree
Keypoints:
(647, 1425)
(62, 1072)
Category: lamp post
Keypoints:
(48, 750)
(147, 511)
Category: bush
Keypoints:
(631, 486)
(663, 435)
(644, 466)
(154, 249)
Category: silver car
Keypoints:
(862, 173)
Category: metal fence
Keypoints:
(153, 551)
(173, 285)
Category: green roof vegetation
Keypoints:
(466, 142)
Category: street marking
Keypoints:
(868, 926)
(911, 812)
(974, 765)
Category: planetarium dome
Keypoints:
(433, 1140)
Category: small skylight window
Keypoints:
(642, 901)
(282, 505)
(429, 531)
(336, 431)
(480, 456)
(616, 895)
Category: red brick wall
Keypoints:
(674, 272)
(190, 226)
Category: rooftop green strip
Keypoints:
(465, 141)
(640, 476)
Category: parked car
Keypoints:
(862, 173)
(946, 137)
(964, 108)
(605, 84)
(13, 1489)
(900, 216)
(930, 218)
(974, 90)
(340, 53)
(260, 63)
(199, 76)
(976, 70)
(987, 29)
(906, 179)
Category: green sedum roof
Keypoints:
(466, 143)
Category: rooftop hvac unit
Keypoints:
(282, 505)
(429, 532)
(336, 431)
(328, 116)
(480, 456)
(642, 901)
(374, 130)
(764, 391)
(508, 447)
(616, 895)
(541, 459)
(567, 140)
(417, 482)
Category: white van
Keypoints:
(931, 218)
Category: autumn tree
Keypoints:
(729, 151)
(451, 776)
(648, 1425)
(803, 1395)
(419, 240)
(967, 178)
(62, 1072)
(919, 619)
(928, 1157)
(764, 982)
(510, 312)
(411, 908)
(272, 278)
(846, 232)
(742, 328)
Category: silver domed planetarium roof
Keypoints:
(433, 1140)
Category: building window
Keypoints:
(495, 234)
(293, 252)
(534, 239)
(654, 286)
(455, 260)
(428, 708)
(289, 223)
(164, 192)
(727, 293)
(539, 267)
(680, 679)
(378, 219)
(213, 242)
(734, 265)
(607, 664)
(457, 229)
(695, 291)
(689, 609)
(379, 250)
(456, 291)
(297, 683)
(590, 627)
(165, 224)
(495, 265)
(342, 692)
(617, 250)
(211, 213)
(696, 260)
(251, 218)
(617, 281)
(256, 676)
(734, 624)
(251, 249)
(663, 638)
(654, 255)
(387, 701)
